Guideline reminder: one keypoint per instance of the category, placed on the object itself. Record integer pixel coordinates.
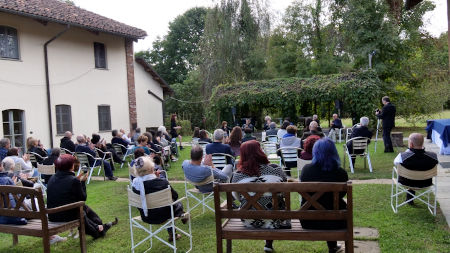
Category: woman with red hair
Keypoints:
(254, 166)
(308, 145)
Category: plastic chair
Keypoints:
(220, 160)
(288, 154)
(45, 170)
(84, 160)
(361, 145)
(270, 148)
(272, 138)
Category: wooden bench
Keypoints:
(233, 228)
(38, 224)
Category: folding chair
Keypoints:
(104, 158)
(33, 158)
(174, 147)
(220, 160)
(66, 151)
(272, 138)
(360, 144)
(300, 164)
(349, 132)
(45, 170)
(84, 160)
(194, 192)
(154, 200)
(270, 148)
(119, 151)
(423, 197)
(203, 145)
(288, 154)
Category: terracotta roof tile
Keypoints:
(61, 12)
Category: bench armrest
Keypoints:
(65, 207)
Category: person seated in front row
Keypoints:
(5, 145)
(36, 147)
(254, 167)
(83, 147)
(24, 161)
(272, 129)
(142, 142)
(197, 172)
(218, 147)
(361, 131)
(204, 137)
(336, 125)
(148, 182)
(65, 188)
(67, 143)
(248, 135)
(290, 140)
(313, 130)
(309, 143)
(117, 139)
(416, 158)
(325, 167)
(6, 179)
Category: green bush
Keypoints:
(186, 128)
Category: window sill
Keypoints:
(104, 131)
(10, 59)
(101, 68)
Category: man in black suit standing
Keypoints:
(387, 114)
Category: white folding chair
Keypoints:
(195, 193)
(361, 145)
(349, 132)
(272, 138)
(45, 170)
(220, 160)
(270, 148)
(422, 194)
(33, 158)
(203, 145)
(154, 200)
(288, 154)
(66, 151)
(84, 160)
(119, 151)
(107, 157)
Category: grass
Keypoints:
(413, 229)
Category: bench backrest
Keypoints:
(257, 190)
(20, 193)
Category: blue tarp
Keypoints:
(442, 126)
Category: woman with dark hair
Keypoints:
(325, 167)
(309, 143)
(103, 147)
(196, 135)
(254, 167)
(204, 137)
(282, 131)
(150, 143)
(235, 140)
(226, 130)
(65, 188)
(174, 128)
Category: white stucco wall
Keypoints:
(73, 78)
(149, 108)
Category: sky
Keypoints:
(154, 16)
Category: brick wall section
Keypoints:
(130, 83)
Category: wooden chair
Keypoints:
(398, 189)
(156, 200)
(361, 146)
(38, 224)
(229, 225)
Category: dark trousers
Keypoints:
(92, 221)
(177, 212)
(387, 140)
(107, 167)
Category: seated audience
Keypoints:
(218, 147)
(248, 135)
(416, 158)
(290, 140)
(24, 161)
(248, 123)
(159, 170)
(164, 135)
(316, 119)
(148, 182)
(9, 167)
(309, 143)
(313, 130)
(125, 136)
(267, 122)
(50, 160)
(5, 179)
(336, 124)
(204, 137)
(282, 131)
(197, 172)
(65, 188)
(235, 140)
(117, 139)
(67, 143)
(272, 130)
(83, 147)
(196, 135)
(135, 135)
(103, 147)
(361, 131)
(255, 167)
(325, 167)
(36, 147)
(142, 144)
(5, 144)
(150, 142)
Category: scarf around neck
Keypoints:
(138, 184)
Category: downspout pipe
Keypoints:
(47, 81)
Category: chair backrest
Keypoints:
(272, 138)
(359, 143)
(83, 158)
(19, 194)
(301, 163)
(118, 148)
(32, 156)
(269, 147)
(206, 181)
(203, 145)
(415, 174)
(154, 200)
(220, 160)
(289, 154)
(66, 151)
(46, 169)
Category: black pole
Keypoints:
(47, 81)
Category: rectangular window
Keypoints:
(63, 119)
(100, 55)
(9, 44)
(104, 118)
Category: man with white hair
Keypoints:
(416, 158)
(361, 131)
(335, 124)
(218, 147)
(67, 143)
(267, 122)
(5, 144)
(272, 129)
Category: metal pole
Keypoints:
(376, 135)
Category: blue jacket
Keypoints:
(3, 152)
(217, 147)
(84, 148)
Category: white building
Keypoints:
(89, 82)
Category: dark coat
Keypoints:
(118, 140)
(313, 173)
(40, 152)
(50, 160)
(217, 147)
(64, 188)
(387, 114)
(86, 149)
(361, 131)
(418, 160)
(67, 144)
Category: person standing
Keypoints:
(387, 114)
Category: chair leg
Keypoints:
(349, 246)
(228, 245)
(82, 235)
(46, 243)
(219, 245)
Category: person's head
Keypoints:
(144, 166)
(218, 135)
(138, 130)
(95, 138)
(236, 136)
(5, 143)
(148, 135)
(55, 152)
(224, 124)
(162, 129)
(203, 134)
(115, 133)
(29, 142)
(196, 132)
(248, 121)
(385, 100)
(65, 163)
(335, 116)
(196, 153)
(415, 141)
(142, 140)
(272, 125)
(325, 155)
(315, 117)
(307, 122)
(173, 117)
(157, 159)
(8, 164)
(68, 134)
(247, 130)
(267, 119)
(309, 143)
(291, 129)
(364, 121)
(313, 126)
(13, 152)
(139, 152)
(81, 139)
(252, 157)
(285, 124)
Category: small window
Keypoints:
(104, 118)
(9, 45)
(100, 55)
(63, 119)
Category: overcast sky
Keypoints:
(154, 16)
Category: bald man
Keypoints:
(67, 143)
(416, 158)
